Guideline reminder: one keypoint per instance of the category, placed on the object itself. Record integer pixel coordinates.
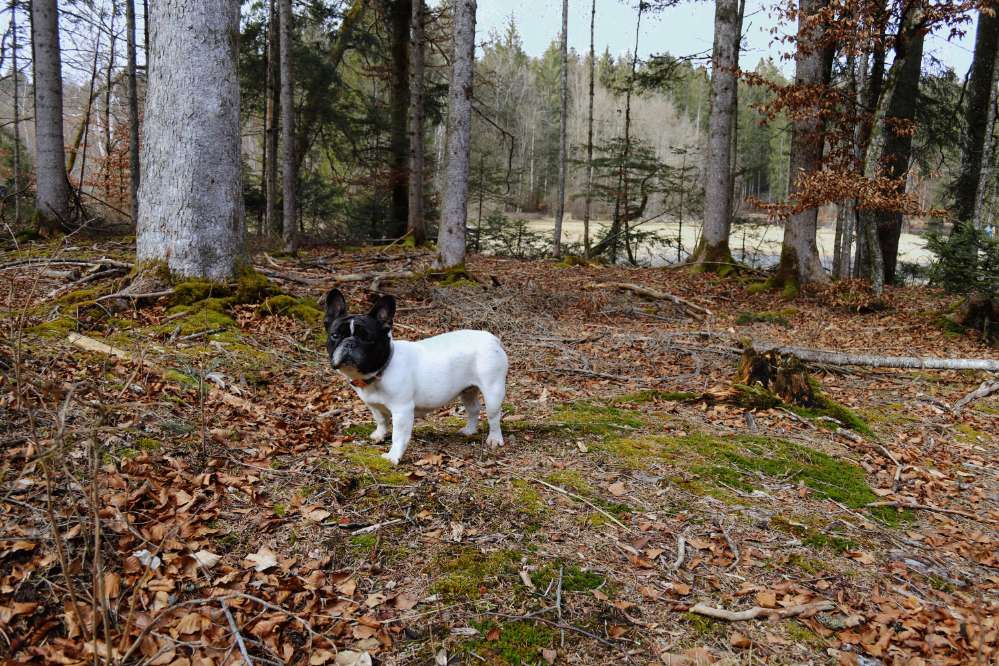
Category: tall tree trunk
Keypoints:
(976, 113)
(17, 112)
(190, 197)
(712, 253)
(451, 238)
(400, 16)
(799, 257)
(563, 118)
(589, 136)
(898, 146)
(289, 171)
(272, 221)
(986, 179)
(108, 90)
(867, 220)
(417, 226)
(133, 109)
(52, 194)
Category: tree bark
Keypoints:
(52, 193)
(563, 119)
(133, 109)
(589, 137)
(272, 221)
(190, 197)
(867, 220)
(451, 238)
(289, 171)
(417, 226)
(108, 89)
(713, 253)
(986, 179)
(17, 112)
(400, 16)
(898, 146)
(965, 188)
(799, 257)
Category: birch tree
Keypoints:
(416, 226)
(712, 253)
(451, 237)
(190, 196)
(563, 120)
(289, 170)
(52, 193)
(799, 258)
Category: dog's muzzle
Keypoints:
(340, 354)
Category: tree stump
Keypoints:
(783, 375)
(979, 312)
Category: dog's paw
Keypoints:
(494, 441)
(469, 431)
(391, 458)
(378, 435)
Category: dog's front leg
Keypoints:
(381, 417)
(402, 429)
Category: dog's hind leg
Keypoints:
(470, 398)
(493, 395)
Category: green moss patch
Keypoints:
(651, 395)
(465, 573)
(779, 317)
(518, 643)
(574, 579)
(594, 419)
(57, 328)
(302, 309)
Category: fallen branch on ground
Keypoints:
(653, 294)
(585, 501)
(874, 361)
(930, 507)
(988, 387)
(135, 297)
(757, 611)
(21, 263)
(98, 347)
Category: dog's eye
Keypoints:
(362, 335)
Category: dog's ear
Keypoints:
(383, 310)
(336, 307)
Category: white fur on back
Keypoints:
(431, 373)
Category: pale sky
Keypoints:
(683, 30)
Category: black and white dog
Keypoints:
(404, 380)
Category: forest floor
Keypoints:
(213, 497)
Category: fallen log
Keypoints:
(876, 361)
(89, 344)
(648, 292)
(757, 611)
(21, 263)
(987, 388)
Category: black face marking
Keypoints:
(359, 342)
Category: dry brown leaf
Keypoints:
(262, 560)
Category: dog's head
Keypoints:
(358, 344)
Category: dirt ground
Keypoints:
(210, 496)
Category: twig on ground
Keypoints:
(585, 501)
(849, 434)
(377, 526)
(898, 466)
(935, 509)
(135, 297)
(731, 544)
(235, 632)
(653, 294)
(681, 552)
(757, 611)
